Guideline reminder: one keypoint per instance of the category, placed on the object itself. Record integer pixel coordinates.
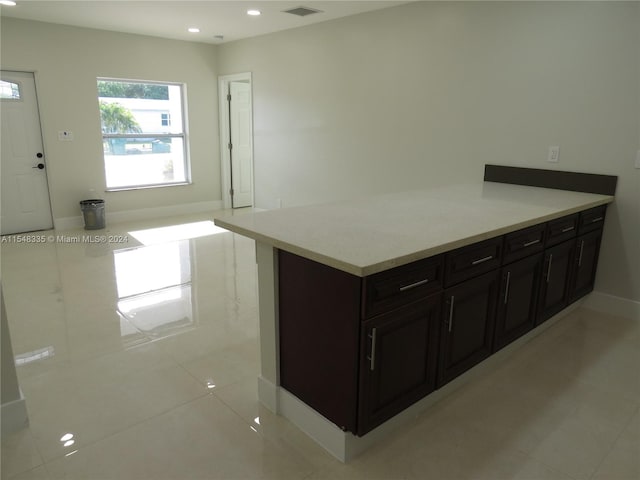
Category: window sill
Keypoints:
(146, 187)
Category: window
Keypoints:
(9, 90)
(143, 133)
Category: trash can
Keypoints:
(93, 213)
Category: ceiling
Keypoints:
(171, 18)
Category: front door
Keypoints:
(25, 203)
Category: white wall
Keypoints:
(66, 61)
(427, 93)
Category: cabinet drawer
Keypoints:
(523, 243)
(591, 219)
(561, 229)
(393, 288)
(472, 260)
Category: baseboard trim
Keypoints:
(72, 223)
(618, 306)
(13, 415)
(268, 394)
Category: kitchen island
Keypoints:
(372, 309)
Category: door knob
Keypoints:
(40, 166)
(39, 155)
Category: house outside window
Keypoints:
(143, 133)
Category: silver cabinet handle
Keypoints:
(568, 229)
(482, 260)
(506, 289)
(372, 358)
(532, 242)
(581, 250)
(549, 267)
(597, 219)
(451, 313)
(414, 285)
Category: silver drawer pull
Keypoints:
(568, 229)
(482, 260)
(506, 288)
(414, 285)
(597, 219)
(451, 313)
(372, 358)
(532, 242)
(549, 267)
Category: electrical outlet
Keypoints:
(554, 154)
(65, 136)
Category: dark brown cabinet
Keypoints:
(468, 321)
(319, 330)
(361, 350)
(585, 262)
(561, 229)
(398, 361)
(518, 299)
(523, 243)
(554, 289)
(390, 289)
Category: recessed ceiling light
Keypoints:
(253, 13)
(8, 3)
(194, 29)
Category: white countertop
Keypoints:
(373, 234)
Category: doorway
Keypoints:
(236, 140)
(26, 206)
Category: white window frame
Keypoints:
(183, 135)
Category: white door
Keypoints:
(24, 199)
(241, 140)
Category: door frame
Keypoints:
(36, 84)
(225, 160)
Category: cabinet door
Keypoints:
(517, 302)
(468, 324)
(398, 360)
(554, 289)
(584, 265)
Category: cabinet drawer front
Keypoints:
(390, 289)
(562, 229)
(523, 243)
(472, 260)
(592, 219)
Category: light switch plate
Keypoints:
(638, 159)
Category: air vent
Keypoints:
(302, 11)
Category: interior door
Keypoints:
(241, 148)
(25, 195)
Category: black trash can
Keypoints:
(93, 213)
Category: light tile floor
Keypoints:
(147, 355)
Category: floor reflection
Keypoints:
(171, 233)
(154, 287)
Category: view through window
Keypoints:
(143, 133)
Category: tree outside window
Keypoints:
(144, 139)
